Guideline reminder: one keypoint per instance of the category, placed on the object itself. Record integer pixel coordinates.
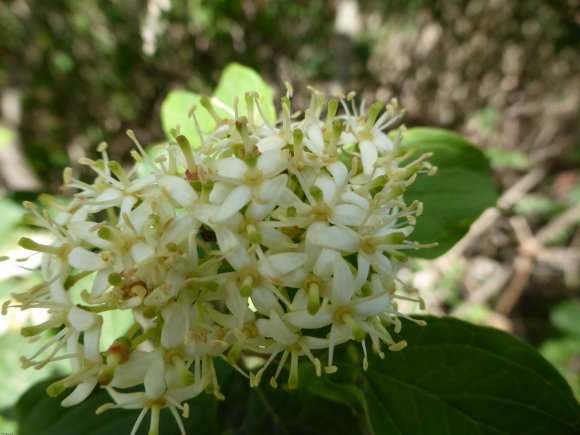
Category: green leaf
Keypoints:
(564, 353)
(14, 380)
(39, 414)
(115, 324)
(565, 317)
(502, 158)
(453, 198)
(245, 411)
(236, 80)
(175, 112)
(11, 213)
(458, 378)
(264, 410)
(7, 136)
(7, 426)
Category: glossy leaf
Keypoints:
(39, 414)
(458, 378)
(264, 410)
(453, 198)
(245, 411)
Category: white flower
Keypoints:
(290, 343)
(271, 240)
(350, 315)
(255, 181)
(369, 133)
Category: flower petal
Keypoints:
(179, 229)
(272, 238)
(316, 142)
(179, 189)
(230, 168)
(81, 392)
(271, 163)
(325, 183)
(339, 172)
(338, 238)
(276, 328)
(140, 215)
(270, 143)
(101, 282)
(372, 305)
(278, 265)
(127, 205)
(264, 299)
(83, 259)
(133, 371)
(92, 342)
(347, 214)
(155, 378)
(369, 155)
(220, 192)
(269, 195)
(236, 199)
(176, 325)
(303, 319)
(141, 183)
(82, 320)
(232, 248)
(324, 265)
(141, 252)
(343, 286)
(85, 230)
(353, 198)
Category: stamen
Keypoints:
(207, 105)
(185, 148)
(139, 420)
(146, 157)
(293, 377)
(273, 382)
(31, 245)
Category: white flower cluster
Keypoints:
(276, 241)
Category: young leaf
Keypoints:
(236, 80)
(455, 196)
(175, 114)
(458, 378)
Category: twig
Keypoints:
(528, 251)
(522, 273)
(562, 223)
(488, 218)
(532, 249)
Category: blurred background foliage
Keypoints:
(74, 73)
